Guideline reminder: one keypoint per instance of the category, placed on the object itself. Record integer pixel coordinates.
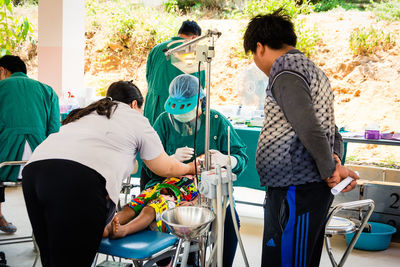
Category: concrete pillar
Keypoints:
(61, 44)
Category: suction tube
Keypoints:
(235, 224)
(214, 226)
(230, 193)
(220, 221)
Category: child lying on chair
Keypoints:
(145, 210)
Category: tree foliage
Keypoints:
(24, 2)
(13, 31)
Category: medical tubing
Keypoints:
(206, 234)
(235, 224)
(229, 145)
(224, 204)
(214, 226)
(220, 226)
(214, 206)
(211, 256)
(195, 131)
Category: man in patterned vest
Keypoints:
(298, 148)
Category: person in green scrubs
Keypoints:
(29, 112)
(160, 71)
(176, 128)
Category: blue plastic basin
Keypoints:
(378, 239)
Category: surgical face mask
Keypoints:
(189, 116)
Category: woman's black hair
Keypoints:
(274, 30)
(125, 92)
(122, 91)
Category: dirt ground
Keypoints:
(366, 87)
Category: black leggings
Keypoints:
(66, 203)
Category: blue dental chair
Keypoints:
(144, 248)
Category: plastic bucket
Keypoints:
(378, 239)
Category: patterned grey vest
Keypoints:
(281, 159)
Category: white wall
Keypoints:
(61, 44)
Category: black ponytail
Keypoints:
(122, 91)
(102, 107)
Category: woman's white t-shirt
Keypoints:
(108, 146)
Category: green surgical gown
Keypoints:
(172, 140)
(29, 111)
(159, 74)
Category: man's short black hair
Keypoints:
(274, 30)
(190, 27)
(13, 64)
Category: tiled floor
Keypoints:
(22, 255)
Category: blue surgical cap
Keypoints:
(185, 86)
(183, 94)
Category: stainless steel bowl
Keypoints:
(187, 222)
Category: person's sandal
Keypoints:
(10, 228)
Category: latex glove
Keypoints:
(183, 153)
(217, 158)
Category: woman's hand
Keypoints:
(167, 166)
(192, 167)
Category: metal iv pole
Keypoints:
(210, 55)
